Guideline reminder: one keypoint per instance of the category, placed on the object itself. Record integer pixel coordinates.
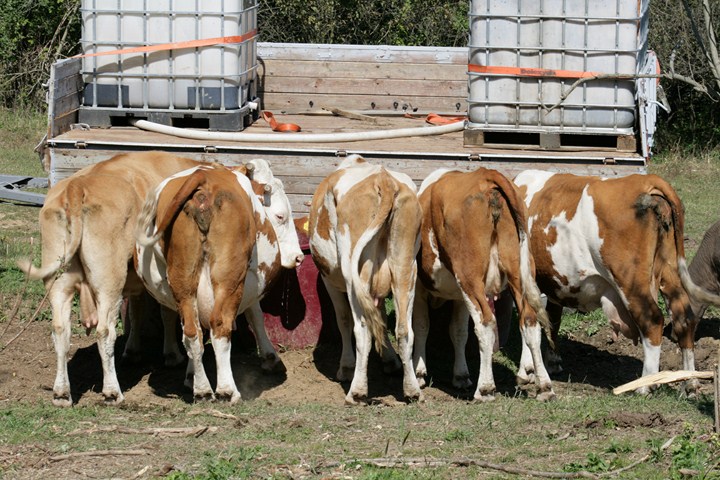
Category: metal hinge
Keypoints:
(341, 153)
(609, 161)
(210, 149)
(474, 157)
(82, 145)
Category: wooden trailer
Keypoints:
(337, 89)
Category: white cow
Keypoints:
(364, 235)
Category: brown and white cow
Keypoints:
(473, 244)
(87, 226)
(613, 244)
(209, 248)
(364, 230)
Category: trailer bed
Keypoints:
(388, 87)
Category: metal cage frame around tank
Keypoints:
(544, 39)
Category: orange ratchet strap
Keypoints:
(435, 119)
(279, 127)
(531, 72)
(205, 42)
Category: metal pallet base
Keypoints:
(223, 121)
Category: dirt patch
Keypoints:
(27, 368)
(628, 420)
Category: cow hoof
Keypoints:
(462, 382)
(421, 381)
(113, 398)
(547, 396)
(642, 391)
(174, 359)
(691, 388)
(345, 374)
(63, 401)
(229, 396)
(273, 364)
(359, 399)
(414, 396)
(522, 379)
(484, 397)
(202, 397)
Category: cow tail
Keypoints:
(663, 189)
(74, 198)
(387, 191)
(527, 277)
(149, 227)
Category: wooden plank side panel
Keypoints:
(363, 53)
(302, 173)
(367, 86)
(346, 69)
(399, 103)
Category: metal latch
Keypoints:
(82, 145)
(210, 149)
(609, 161)
(474, 157)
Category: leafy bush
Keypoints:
(33, 33)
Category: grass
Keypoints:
(319, 439)
(20, 132)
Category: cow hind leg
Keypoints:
(651, 330)
(403, 298)
(271, 362)
(108, 308)
(133, 348)
(61, 297)
(484, 324)
(531, 358)
(195, 376)
(458, 330)
(390, 360)
(344, 318)
(684, 326)
(171, 351)
(553, 360)
(421, 327)
(221, 329)
(358, 391)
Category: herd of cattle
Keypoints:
(207, 241)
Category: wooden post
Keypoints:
(716, 384)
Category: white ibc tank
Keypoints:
(214, 77)
(561, 39)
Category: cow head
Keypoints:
(277, 207)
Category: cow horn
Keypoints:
(250, 166)
(268, 188)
